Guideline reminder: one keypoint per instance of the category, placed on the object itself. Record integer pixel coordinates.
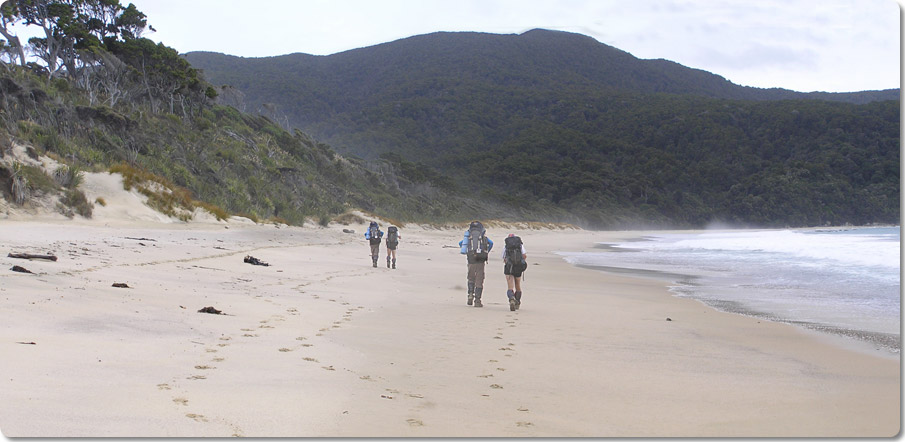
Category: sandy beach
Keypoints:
(320, 344)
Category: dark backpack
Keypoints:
(477, 246)
(514, 254)
(392, 237)
(374, 234)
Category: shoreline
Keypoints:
(864, 340)
(320, 344)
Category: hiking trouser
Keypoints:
(476, 275)
(375, 250)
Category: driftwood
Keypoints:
(21, 269)
(31, 256)
(255, 261)
(210, 310)
(121, 285)
(141, 239)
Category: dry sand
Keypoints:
(320, 344)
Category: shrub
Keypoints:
(68, 176)
(349, 218)
(218, 212)
(76, 200)
(18, 185)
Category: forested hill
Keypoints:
(540, 59)
(558, 126)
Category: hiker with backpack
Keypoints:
(514, 264)
(374, 235)
(476, 246)
(393, 237)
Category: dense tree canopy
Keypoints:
(558, 126)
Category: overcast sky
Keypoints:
(803, 45)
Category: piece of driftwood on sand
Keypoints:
(31, 256)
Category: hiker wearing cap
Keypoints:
(374, 235)
(476, 245)
(514, 263)
(393, 237)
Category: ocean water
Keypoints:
(844, 281)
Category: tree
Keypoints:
(9, 16)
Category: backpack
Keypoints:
(392, 237)
(514, 254)
(374, 233)
(477, 246)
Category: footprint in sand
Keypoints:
(210, 350)
(415, 422)
(196, 377)
(329, 368)
(521, 409)
(497, 337)
(164, 387)
(309, 359)
(284, 349)
(196, 417)
(300, 338)
(524, 424)
(204, 367)
(497, 386)
(181, 401)
(218, 360)
(485, 375)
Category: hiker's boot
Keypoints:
(477, 296)
(511, 297)
(518, 299)
(470, 293)
(374, 259)
(388, 262)
(394, 263)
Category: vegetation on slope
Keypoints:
(110, 100)
(555, 126)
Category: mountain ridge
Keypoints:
(541, 40)
(594, 134)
